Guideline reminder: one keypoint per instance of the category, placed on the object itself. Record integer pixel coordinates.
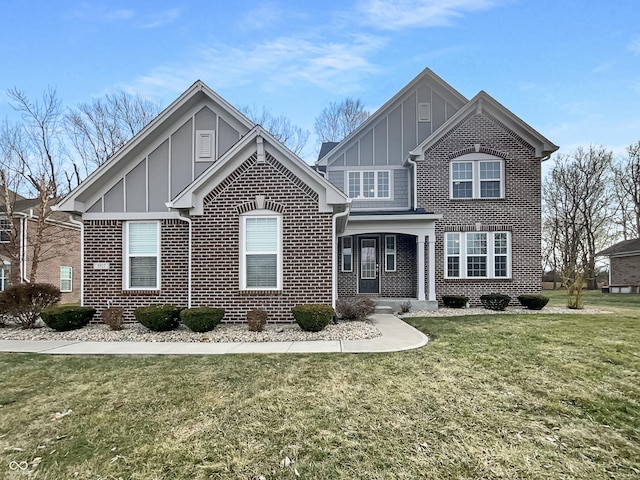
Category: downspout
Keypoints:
(415, 181)
(72, 219)
(188, 220)
(23, 251)
(334, 253)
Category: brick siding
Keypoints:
(625, 271)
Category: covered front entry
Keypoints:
(368, 276)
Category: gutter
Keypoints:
(189, 261)
(334, 252)
(79, 223)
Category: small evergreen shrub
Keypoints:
(201, 319)
(405, 307)
(533, 301)
(159, 318)
(256, 319)
(67, 317)
(355, 308)
(24, 302)
(455, 301)
(313, 317)
(113, 317)
(495, 301)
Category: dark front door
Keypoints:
(369, 279)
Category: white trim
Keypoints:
(127, 256)
(490, 255)
(279, 259)
(129, 216)
(205, 145)
(376, 184)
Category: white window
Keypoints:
(390, 253)
(477, 178)
(347, 254)
(261, 252)
(478, 255)
(4, 275)
(5, 230)
(142, 255)
(369, 184)
(66, 279)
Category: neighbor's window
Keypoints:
(477, 178)
(5, 230)
(369, 184)
(4, 276)
(347, 254)
(66, 279)
(477, 255)
(261, 256)
(142, 255)
(390, 253)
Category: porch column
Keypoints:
(420, 245)
(432, 267)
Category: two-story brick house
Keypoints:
(433, 194)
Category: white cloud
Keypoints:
(401, 14)
(99, 13)
(160, 19)
(634, 46)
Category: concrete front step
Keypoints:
(384, 309)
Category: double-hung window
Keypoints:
(5, 230)
(477, 255)
(477, 178)
(142, 255)
(66, 279)
(261, 252)
(390, 253)
(347, 254)
(369, 184)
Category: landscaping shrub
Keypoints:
(24, 302)
(495, 301)
(113, 316)
(256, 319)
(313, 317)
(159, 318)
(533, 301)
(67, 317)
(405, 307)
(201, 319)
(455, 301)
(355, 308)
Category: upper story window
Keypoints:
(481, 177)
(142, 254)
(5, 230)
(261, 251)
(369, 184)
(478, 255)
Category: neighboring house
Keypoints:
(624, 266)
(59, 257)
(433, 194)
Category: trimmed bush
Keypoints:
(405, 307)
(313, 317)
(114, 317)
(256, 319)
(355, 308)
(495, 301)
(201, 319)
(533, 301)
(455, 301)
(24, 302)
(67, 317)
(159, 318)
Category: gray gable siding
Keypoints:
(157, 173)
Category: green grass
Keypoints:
(490, 397)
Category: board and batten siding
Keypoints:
(168, 164)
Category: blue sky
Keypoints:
(571, 69)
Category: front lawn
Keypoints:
(491, 396)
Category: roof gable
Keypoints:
(173, 118)
(403, 108)
(625, 247)
(259, 142)
(483, 102)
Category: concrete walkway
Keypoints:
(396, 336)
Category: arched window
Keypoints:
(476, 175)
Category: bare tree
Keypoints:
(98, 129)
(338, 120)
(577, 214)
(626, 173)
(294, 137)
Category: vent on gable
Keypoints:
(424, 112)
(205, 145)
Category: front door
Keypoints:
(369, 279)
